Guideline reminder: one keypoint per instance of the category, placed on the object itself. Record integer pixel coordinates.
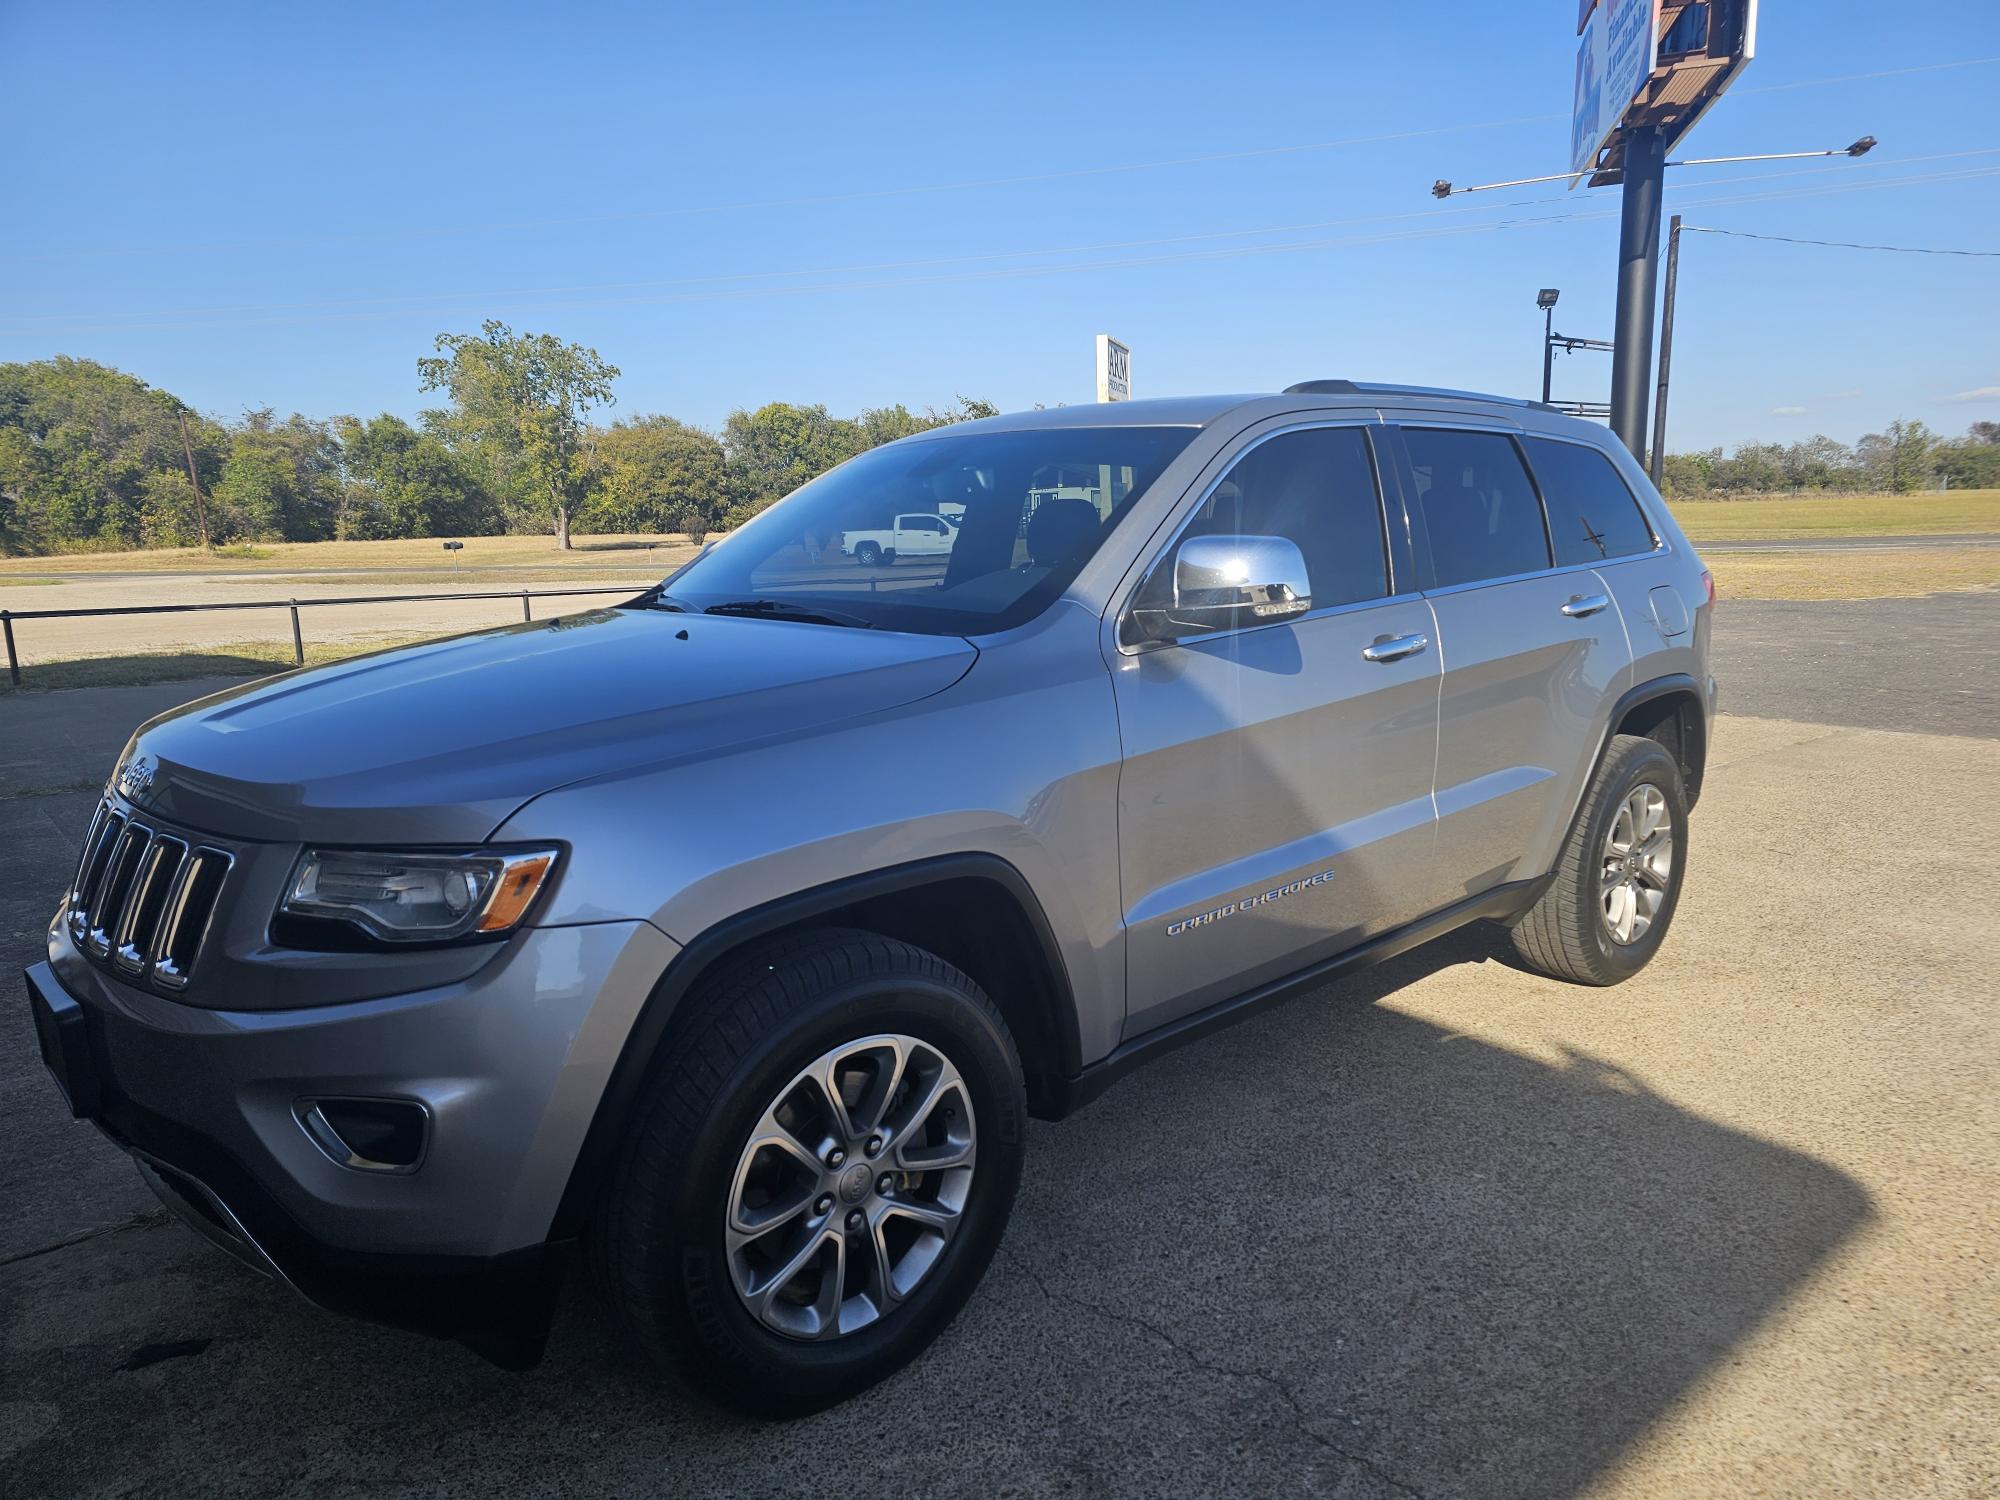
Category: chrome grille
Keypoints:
(143, 899)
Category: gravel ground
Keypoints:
(1444, 1229)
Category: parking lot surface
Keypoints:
(1442, 1229)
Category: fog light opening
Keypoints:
(368, 1135)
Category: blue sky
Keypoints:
(874, 203)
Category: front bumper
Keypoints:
(510, 1065)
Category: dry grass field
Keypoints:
(1857, 573)
(92, 652)
(1960, 511)
(481, 555)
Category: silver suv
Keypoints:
(731, 936)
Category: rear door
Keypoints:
(1275, 798)
(1595, 518)
(1532, 654)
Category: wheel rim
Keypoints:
(1637, 864)
(851, 1185)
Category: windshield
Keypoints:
(959, 534)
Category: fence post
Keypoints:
(13, 661)
(526, 613)
(298, 641)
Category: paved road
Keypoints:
(1852, 543)
(1442, 1230)
(1930, 664)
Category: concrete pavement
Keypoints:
(1445, 1229)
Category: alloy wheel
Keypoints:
(851, 1185)
(1637, 864)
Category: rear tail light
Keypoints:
(1708, 584)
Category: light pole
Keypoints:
(1545, 299)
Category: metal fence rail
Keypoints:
(526, 596)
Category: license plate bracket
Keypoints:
(61, 1030)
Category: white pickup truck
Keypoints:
(915, 534)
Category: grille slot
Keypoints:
(139, 922)
(104, 831)
(120, 871)
(142, 902)
(184, 922)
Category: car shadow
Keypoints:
(1335, 1248)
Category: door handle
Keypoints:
(1395, 647)
(1586, 604)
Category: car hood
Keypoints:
(439, 743)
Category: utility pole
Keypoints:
(1666, 349)
(1638, 267)
(200, 515)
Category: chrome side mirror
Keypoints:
(1219, 582)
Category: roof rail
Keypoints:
(1380, 388)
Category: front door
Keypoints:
(1275, 799)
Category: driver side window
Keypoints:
(1316, 488)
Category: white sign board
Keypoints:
(1614, 58)
(1114, 369)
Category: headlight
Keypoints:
(417, 897)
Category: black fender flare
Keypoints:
(615, 1107)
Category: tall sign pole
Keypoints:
(1638, 271)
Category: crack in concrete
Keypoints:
(147, 1218)
(1283, 1390)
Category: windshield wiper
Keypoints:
(777, 609)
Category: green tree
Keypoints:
(1899, 458)
(404, 483)
(83, 443)
(657, 474)
(529, 396)
(281, 482)
(1817, 463)
(1973, 464)
(778, 447)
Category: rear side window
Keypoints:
(1480, 508)
(1316, 487)
(1592, 514)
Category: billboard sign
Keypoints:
(1114, 369)
(1614, 58)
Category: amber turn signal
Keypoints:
(517, 887)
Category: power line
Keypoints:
(919, 189)
(441, 302)
(1744, 234)
(1574, 215)
(1809, 83)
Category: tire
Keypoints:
(868, 554)
(1573, 932)
(662, 1232)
